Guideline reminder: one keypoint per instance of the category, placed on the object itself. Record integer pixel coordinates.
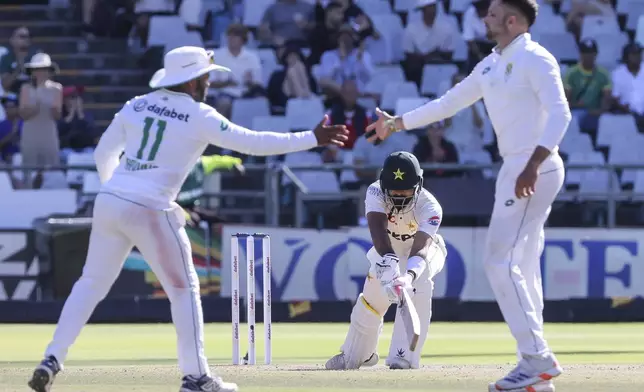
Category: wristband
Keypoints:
(416, 264)
(412, 274)
(391, 125)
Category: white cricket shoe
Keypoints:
(530, 371)
(544, 386)
(206, 384)
(398, 364)
(338, 362)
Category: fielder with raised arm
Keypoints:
(403, 220)
(162, 135)
(521, 85)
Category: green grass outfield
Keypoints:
(457, 357)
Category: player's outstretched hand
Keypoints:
(378, 130)
(330, 134)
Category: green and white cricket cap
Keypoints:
(183, 64)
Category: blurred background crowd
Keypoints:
(67, 66)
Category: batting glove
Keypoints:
(394, 289)
(387, 270)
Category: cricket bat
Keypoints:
(410, 319)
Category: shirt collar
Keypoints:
(183, 95)
(520, 40)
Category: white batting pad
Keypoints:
(362, 339)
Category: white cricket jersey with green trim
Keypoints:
(162, 135)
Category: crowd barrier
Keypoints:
(588, 275)
(272, 191)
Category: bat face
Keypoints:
(410, 319)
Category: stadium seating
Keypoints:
(244, 110)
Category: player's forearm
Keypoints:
(267, 143)
(106, 163)
(538, 156)
(558, 119)
(459, 97)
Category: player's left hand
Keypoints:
(526, 182)
(394, 289)
(387, 269)
(378, 130)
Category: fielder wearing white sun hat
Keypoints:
(184, 64)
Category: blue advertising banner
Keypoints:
(330, 265)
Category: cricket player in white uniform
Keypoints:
(403, 220)
(161, 135)
(521, 85)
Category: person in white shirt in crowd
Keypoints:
(347, 62)
(245, 80)
(475, 34)
(161, 136)
(403, 219)
(429, 40)
(625, 77)
(520, 83)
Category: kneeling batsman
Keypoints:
(403, 220)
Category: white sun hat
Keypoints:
(184, 64)
(41, 60)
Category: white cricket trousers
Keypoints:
(515, 241)
(117, 225)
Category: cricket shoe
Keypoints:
(44, 375)
(530, 371)
(398, 364)
(544, 386)
(206, 384)
(338, 362)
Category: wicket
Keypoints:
(250, 294)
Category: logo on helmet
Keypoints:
(398, 175)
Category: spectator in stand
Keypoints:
(293, 81)
(351, 14)
(434, 148)
(76, 128)
(345, 63)
(108, 18)
(10, 128)
(581, 8)
(40, 104)
(347, 111)
(429, 40)
(475, 33)
(287, 21)
(324, 35)
(245, 80)
(625, 75)
(12, 65)
(223, 13)
(588, 88)
(468, 129)
(374, 154)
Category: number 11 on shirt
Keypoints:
(149, 122)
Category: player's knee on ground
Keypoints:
(362, 339)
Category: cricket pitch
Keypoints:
(457, 357)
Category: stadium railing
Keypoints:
(273, 189)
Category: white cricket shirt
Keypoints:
(426, 216)
(522, 90)
(162, 135)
